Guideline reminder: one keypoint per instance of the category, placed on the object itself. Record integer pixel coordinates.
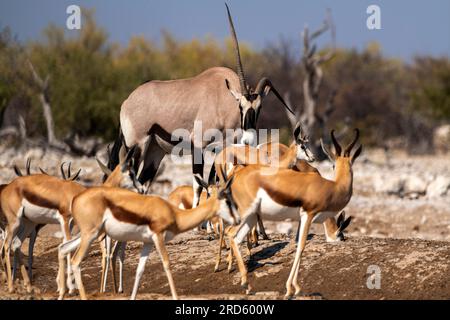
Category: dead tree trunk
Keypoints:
(313, 122)
(43, 87)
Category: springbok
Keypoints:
(34, 232)
(41, 199)
(127, 216)
(287, 194)
(218, 98)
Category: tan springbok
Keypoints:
(40, 199)
(128, 216)
(287, 194)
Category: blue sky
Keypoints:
(408, 27)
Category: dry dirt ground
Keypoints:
(407, 239)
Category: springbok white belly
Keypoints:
(124, 231)
(40, 215)
(271, 210)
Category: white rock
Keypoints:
(284, 227)
(415, 185)
(388, 183)
(439, 187)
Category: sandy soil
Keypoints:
(408, 239)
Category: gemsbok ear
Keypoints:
(356, 154)
(327, 152)
(235, 94)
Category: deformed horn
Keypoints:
(352, 144)
(265, 82)
(240, 70)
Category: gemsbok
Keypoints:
(218, 99)
(127, 216)
(287, 194)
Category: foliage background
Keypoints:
(392, 100)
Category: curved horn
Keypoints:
(62, 171)
(337, 147)
(352, 144)
(17, 171)
(69, 173)
(76, 175)
(42, 171)
(240, 70)
(263, 83)
(28, 166)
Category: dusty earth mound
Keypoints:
(408, 269)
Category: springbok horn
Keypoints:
(341, 218)
(352, 144)
(337, 147)
(76, 175)
(240, 70)
(104, 168)
(69, 173)
(28, 166)
(42, 171)
(17, 171)
(263, 83)
(63, 174)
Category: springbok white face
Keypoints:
(250, 101)
(301, 143)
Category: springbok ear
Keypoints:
(345, 224)
(122, 153)
(356, 154)
(235, 94)
(297, 131)
(104, 168)
(200, 181)
(326, 151)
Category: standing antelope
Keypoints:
(41, 199)
(218, 98)
(128, 216)
(287, 194)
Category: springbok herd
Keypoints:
(278, 183)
